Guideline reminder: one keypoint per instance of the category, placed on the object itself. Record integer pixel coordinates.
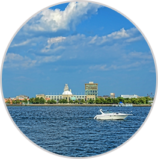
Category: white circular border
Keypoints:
(156, 89)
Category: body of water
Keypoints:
(72, 131)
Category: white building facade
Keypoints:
(130, 96)
(67, 94)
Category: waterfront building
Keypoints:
(40, 95)
(105, 96)
(112, 95)
(78, 97)
(129, 96)
(54, 97)
(67, 94)
(91, 89)
(21, 97)
(88, 97)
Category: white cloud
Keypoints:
(47, 49)
(56, 40)
(51, 41)
(93, 39)
(114, 67)
(21, 44)
(47, 59)
(60, 43)
(81, 39)
(134, 39)
(54, 20)
(117, 35)
(138, 55)
(16, 60)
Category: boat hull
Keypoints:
(110, 117)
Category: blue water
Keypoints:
(72, 131)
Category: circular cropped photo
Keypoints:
(78, 79)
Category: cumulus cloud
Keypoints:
(54, 20)
(117, 35)
(51, 41)
(60, 43)
(16, 60)
(82, 39)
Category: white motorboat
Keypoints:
(111, 116)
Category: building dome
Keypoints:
(66, 90)
(67, 93)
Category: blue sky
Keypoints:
(75, 43)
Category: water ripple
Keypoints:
(72, 131)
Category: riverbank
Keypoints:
(65, 104)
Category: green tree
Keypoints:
(13, 102)
(65, 101)
(129, 101)
(82, 101)
(97, 101)
(108, 101)
(62, 101)
(76, 101)
(52, 101)
(48, 101)
(147, 99)
(142, 100)
(31, 100)
(135, 100)
(25, 101)
(91, 101)
(114, 101)
(121, 99)
(102, 100)
(71, 101)
(36, 100)
(42, 100)
(17, 101)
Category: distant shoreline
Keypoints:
(93, 105)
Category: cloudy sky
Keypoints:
(75, 43)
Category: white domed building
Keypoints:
(67, 94)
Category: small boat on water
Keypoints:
(111, 116)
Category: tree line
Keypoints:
(142, 100)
